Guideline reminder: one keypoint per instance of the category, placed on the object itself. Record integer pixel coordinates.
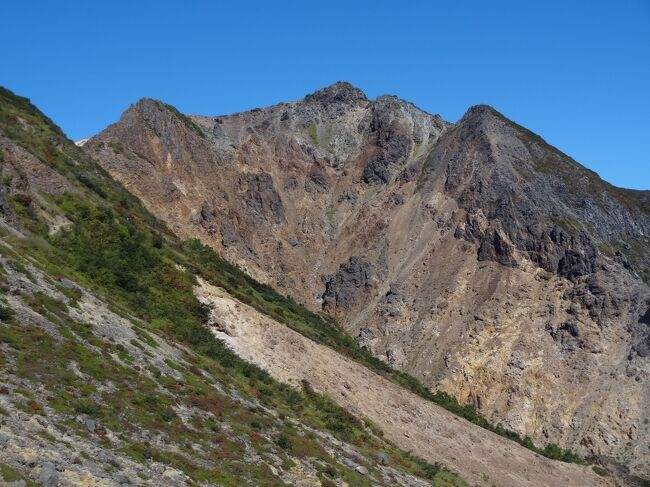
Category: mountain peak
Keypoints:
(149, 109)
(146, 104)
(481, 111)
(339, 92)
(144, 107)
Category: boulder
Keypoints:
(382, 458)
(361, 470)
(352, 279)
(48, 477)
(91, 424)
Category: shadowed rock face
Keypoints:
(473, 255)
(349, 283)
(262, 200)
(396, 128)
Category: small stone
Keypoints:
(121, 479)
(206, 213)
(394, 312)
(49, 477)
(67, 283)
(347, 196)
(572, 328)
(293, 241)
(361, 470)
(100, 431)
(382, 458)
(91, 424)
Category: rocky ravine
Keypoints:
(472, 255)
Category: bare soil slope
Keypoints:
(409, 421)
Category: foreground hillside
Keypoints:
(472, 255)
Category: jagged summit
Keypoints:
(144, 109)
(481, 109)
(339, 92)
(484, 115)
(146, 103)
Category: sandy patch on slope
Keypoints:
(412, 423)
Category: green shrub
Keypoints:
(283, 441)
(312, 131)
(84, 406)
(6, 314)
(430, 471)
(598, 470)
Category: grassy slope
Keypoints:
(126, 401)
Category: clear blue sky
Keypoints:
(576, 72)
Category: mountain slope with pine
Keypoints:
(472, 255)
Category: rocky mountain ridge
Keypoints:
(473, 255)
(110, 372)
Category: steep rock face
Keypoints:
(397, 128)
(473, 255)
(351, 281)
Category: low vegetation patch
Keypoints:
(6, 313)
